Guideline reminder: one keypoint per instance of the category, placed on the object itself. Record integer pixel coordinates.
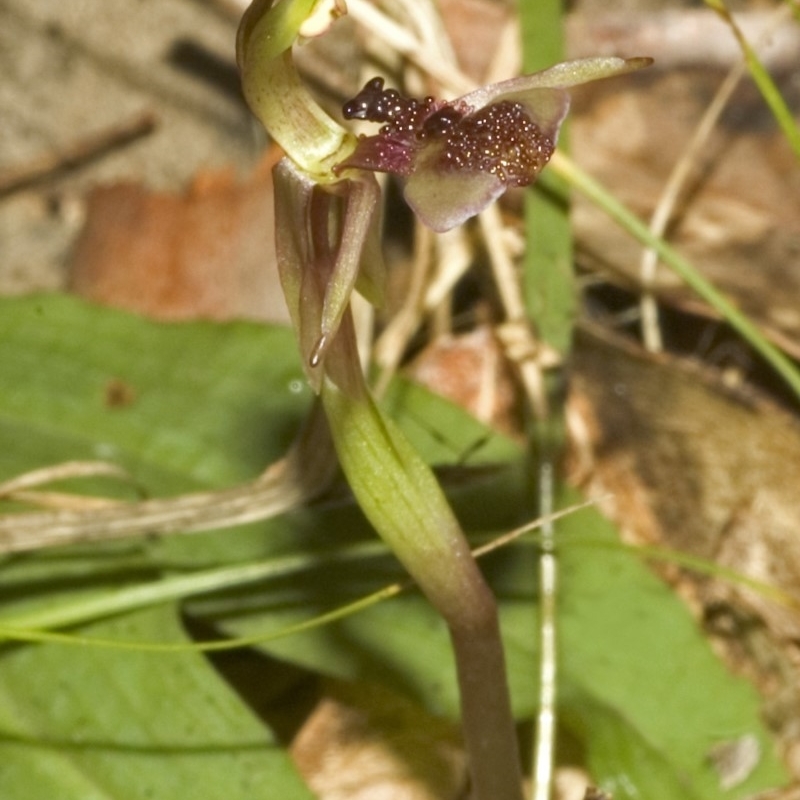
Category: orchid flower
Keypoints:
(458, 156)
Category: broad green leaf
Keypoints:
(639, 673)
(212, 405)
(208, 405)
(640, 688)
(442, 432)
(81, 723)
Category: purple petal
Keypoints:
(459, 156)
(560, 76)
(500, 138)
(443, 200)
(379, 153)
(457, 175)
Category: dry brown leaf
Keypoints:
(699, 469)
(470, 370)
(206, 253)
(364, 743)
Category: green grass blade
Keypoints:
(762, 79)
(549, 284)
(595, 192)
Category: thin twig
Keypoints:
(651, 332)
(544, 748)
(304, 473)
(405, 43)
(76, 154)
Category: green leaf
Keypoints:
(640, 688)
(94, 724)
(85, 722)
(641, 676)
(209, 405)
(212, 405)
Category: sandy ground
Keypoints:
(74, 70)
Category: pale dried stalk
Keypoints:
(676, 183)
(402, 41)
(529, 357)
(544, 751)
(60, 472)
(454, 256)
(507, 60)
(302, 474)
(670, 195)
(440, 260)
(392, 344)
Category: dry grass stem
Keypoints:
(61, 472)
(523, 351)
(393, 342)
(402, 41)
(454, 256)
(669, 199)
(304, 473)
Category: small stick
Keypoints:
(670, 195)
(74, 155)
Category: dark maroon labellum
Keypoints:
(500, 138)
(373, 103)
(403, 115)
(441, 121)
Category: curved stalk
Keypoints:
(275, 93)
(400, 496)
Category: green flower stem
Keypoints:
(325, 241)
(275, 93)
(400, 496)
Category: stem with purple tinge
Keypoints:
(399, 495)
